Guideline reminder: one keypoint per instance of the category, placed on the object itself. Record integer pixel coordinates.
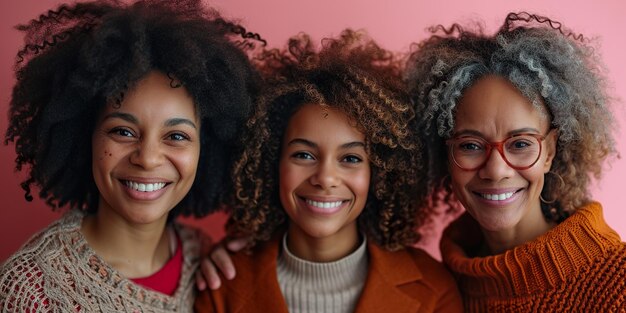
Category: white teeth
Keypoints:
(324, 205)
(144, 187)
(499, 197)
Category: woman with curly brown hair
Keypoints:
(328, 190)
(516, 125)
(125, 114)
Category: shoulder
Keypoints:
(42, 257)
(195, 242)
(416, 274)
(21, 283)
(434, 273)
(195, 245)
(603, 280)
(44, 245)
(264, 255)
(438, 279)
(189, 233)
(411, 263)
(22, 276)
(255, 289)
(612, 265)
(257, 265)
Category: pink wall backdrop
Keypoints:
(393, 23)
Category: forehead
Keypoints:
(494, 106)
(154, 96)
(321, 121)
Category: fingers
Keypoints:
(218, 261)
(222, 260)
(236, 244)
(200, 282)
(208, 275)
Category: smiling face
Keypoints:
(145, 153)
(324, 175)
(499, 197)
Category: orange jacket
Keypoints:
(407, 280)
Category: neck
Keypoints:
(530, 227)
(134, 250)
(323, 248)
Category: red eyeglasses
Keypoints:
(520, 151)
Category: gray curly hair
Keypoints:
(550, 66)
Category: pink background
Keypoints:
(393, 23)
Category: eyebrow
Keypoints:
(125, 116)
(177, 121)
(347, 145)
(472, 132)
(132, 119)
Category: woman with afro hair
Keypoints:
(125, 114)
(515, 127)
(328, 191)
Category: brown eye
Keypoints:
(520, 144)
(470, 146)
(178, 137)
(119, 131)
(302, 155)
(352, 159)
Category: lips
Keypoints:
(323, 206)
(144, 187)
(498, 195)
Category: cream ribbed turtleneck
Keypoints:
(322, 287)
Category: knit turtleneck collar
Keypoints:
(328, 276)
(541, 264)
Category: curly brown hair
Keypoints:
(551, 66)
(354, 75)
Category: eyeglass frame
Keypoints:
(499, 146)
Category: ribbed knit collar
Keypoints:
(327, 276)
(538, 265)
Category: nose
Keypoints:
(326, 176)
(495, 168)
(148, 154)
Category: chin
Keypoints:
(499, 222)
(147, 218)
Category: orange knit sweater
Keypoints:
(578, 266)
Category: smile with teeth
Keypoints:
(324, 204)
(498, 197)
(144, 187)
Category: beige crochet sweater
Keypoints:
(57, 271)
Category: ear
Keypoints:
(549, 144)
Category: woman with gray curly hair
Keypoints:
(516, 126)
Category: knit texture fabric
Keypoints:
(578, 266)
(57, 271)
(330, 287)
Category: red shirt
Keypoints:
(166, 279)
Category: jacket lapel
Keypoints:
(256, 288)
(388, 271)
